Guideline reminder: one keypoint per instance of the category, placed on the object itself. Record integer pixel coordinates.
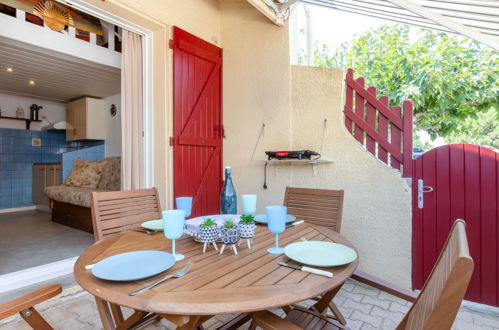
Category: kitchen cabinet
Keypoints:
(86, 119)
(44, 175)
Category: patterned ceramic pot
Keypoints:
(229, 235)
(208, 234)
(246, 230)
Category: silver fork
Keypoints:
(152, 285)
(148, 232)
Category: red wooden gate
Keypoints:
(385, 132)
(464, 180)
(197, 121)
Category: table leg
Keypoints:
(133, 319)
(236, 322)
(197, 321)
(186, 322)
(145, 321)
(324, 301)
(337, 313)
(117, 314)
(105, 314)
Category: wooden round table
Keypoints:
(216, 284)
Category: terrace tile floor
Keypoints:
(363, 306)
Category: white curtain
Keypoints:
(132, 165)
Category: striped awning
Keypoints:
(475, 19)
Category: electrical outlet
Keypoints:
(36, 142)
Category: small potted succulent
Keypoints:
(229, 234)
(247, 228)
(208, 233)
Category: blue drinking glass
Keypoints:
(173, 222)
(184, 203)
(276, 219)
(249, 204)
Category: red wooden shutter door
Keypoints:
(197, 121)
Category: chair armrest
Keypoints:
(269, 321)
(384, 286)
(29, 300)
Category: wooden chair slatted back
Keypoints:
(440, 298)
(115, 211)
(321, 207)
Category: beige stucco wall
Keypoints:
(256, 76)
(199, 17)
(260, 87)
(377, 205)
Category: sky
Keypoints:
(333, 27)
(336, 27)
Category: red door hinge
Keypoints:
(170, 43)
(172, 141)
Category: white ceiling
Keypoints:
(57, 76)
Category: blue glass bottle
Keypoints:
(228, 197)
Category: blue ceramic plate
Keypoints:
(320, 254)
(262, 218)
(131, 266)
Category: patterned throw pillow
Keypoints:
(84, 174)
(111, 174)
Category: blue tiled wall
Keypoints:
(91, 153)
(17, 157)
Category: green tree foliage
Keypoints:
(450, 80)
(482, 129)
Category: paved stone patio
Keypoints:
(363, 306)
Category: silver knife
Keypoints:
(296, 223)
(307, 269)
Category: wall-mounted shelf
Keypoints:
(295, 161)
(28, 121)
(312, 162)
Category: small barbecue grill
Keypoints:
(305, 155)
(300, 154)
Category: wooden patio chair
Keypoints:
(435, 307)
(25, 306)
(323, 207)
(116, 211)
